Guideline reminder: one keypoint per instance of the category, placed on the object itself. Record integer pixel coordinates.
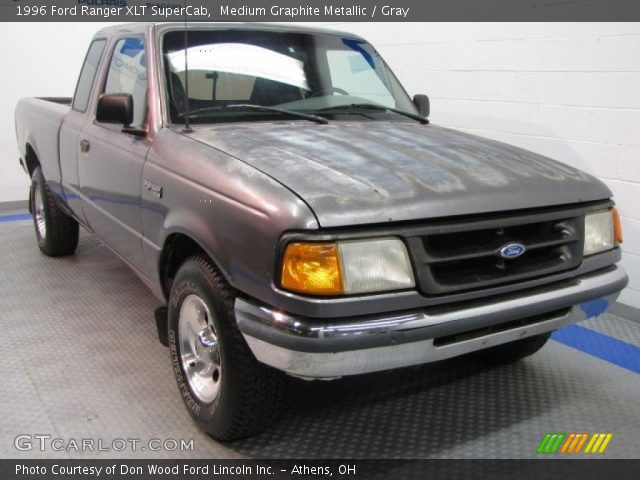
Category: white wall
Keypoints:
(567, 90)
(570, 91)
(36, 59)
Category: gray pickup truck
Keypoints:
(292, 207)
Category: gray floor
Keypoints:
(81, 360)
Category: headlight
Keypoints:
(602, 231)
(347, 267)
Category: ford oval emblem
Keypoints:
(513, 250)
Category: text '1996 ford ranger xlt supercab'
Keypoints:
(292, 207)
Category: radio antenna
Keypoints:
(187, 128)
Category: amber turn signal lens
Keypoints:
(617, 226)
(312, 268)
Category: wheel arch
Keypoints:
(31, 158)
(179, 244)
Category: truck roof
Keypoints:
(142, 27)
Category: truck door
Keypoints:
(72, 128)
(111, 161)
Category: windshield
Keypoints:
(329, 75)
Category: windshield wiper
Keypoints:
(249, 106)
(373, 106)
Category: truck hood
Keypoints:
(365, 173)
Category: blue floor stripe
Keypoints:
(594, 343)
(14, 218)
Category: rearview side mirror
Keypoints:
(115, 108)
(422, 104)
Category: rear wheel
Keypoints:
(513, 351)
(57, 233)
(226, 390)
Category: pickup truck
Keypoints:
(295, 211)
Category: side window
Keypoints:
(128, 74)
(87, 75)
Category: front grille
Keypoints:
(462, 256)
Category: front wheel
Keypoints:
(225, 389)
(57, 233)
(513, 351)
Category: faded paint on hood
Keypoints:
(364, 173)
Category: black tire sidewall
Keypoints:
(61, 230)
(191, 279)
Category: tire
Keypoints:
(225, 389)
(513, 351)
(57, 233)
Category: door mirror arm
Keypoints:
(135, 131)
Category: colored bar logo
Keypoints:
(574, 442)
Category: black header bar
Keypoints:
(318, 10)
(319, 469)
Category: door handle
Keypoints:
(85, 146)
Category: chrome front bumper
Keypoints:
(314, 348)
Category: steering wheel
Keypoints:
(330, 90)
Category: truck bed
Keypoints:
(60, 100)
(38, 122)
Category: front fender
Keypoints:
(194, 226)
